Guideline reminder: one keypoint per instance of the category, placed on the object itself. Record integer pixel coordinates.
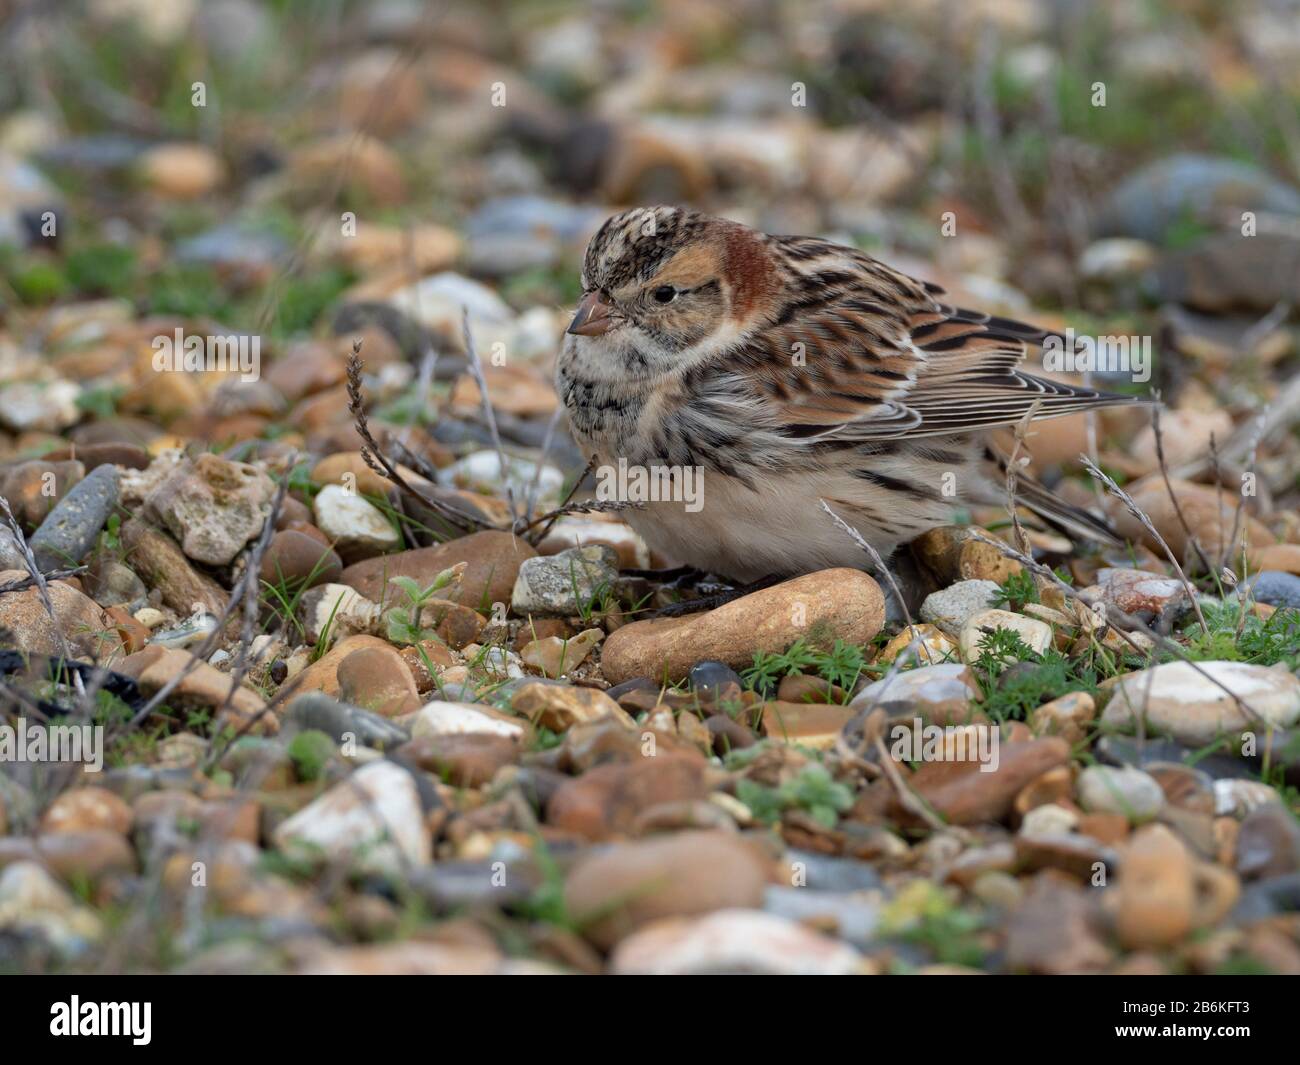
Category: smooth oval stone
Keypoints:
(714, 680)
(846, 603)
(1275, 588)
(69, 530)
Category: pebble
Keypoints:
(999, 890)
(941, 694)
(1036, 634)
(1186, 436)
(1274, 588)
(181, 751)
(571, 583)
(1268, 843)
(715, 682)
(245, 254)
(492, 563)
(559, 707)
(348, 469)
(111, 583)
(378, 679)
(801, 688)
(608, 800)
(11, 554)
(354, 524)
(195, 630)
(1219, 340)
(26, 194)
(429, 248)
(733, 941)
(68, 532)
(336, 611)
(440, 301)
(457, 626)
(87, 854)
(30, 628)
(374, 817)
(1278, 558)
(623, 889)
(1076, 854)
(408, 958)
(481, 472)
(1056, 930)
(1237, 798)
(162, 565)
(1067, 716)
(85, 809)
(322, 675)
(1164, 893)
(339, 720)
(554, 657)
(33, 902)
(149, 617)
(298, 560)
(1180, 702)
(962, 794)
(728, 734)
(1116, 259)
(31, 405)
(1048, 819)
(1210, 514)
(812, 725)
(954, 553)
(199, 684)
(34, 488)
(950, 608)
(428, 655)
(468, 760)
(1131, 792)
(852, 916)
(843, 604)
(109, 453)
(1163, 193)
(923, 645)
(213, 506)
(1150, 597)
(181, 171)
(440, 718)
(570, 531)
(493, 662)
(828, 874)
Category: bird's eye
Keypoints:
(664, 294)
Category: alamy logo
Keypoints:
(651, 484)
(53, 743)
(103, 1018)
(208, 354)
(919, 742)
(1107, 354)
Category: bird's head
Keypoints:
(665, 287)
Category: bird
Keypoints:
(788, 375)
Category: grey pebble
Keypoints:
(69, 530)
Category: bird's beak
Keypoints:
(592, 319)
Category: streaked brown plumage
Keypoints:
(792, 369)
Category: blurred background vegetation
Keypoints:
(1043, 126)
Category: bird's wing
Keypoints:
(866, 353)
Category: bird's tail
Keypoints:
(1068, 518)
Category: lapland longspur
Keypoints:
(787, 370)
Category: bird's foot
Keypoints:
(714, 600)
(677, 578)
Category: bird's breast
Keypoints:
(603, 413)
